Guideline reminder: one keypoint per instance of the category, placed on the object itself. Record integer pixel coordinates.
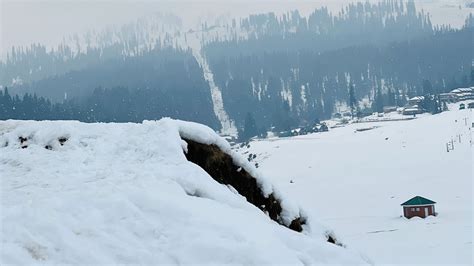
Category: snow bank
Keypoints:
(125, 193)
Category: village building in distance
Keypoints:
(414, 104)
(461, 94)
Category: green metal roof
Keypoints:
(418, 201)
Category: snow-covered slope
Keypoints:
(227, 125)
(125, 193)
(356, 181)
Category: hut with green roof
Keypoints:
(418, 206)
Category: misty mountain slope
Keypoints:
(125, 193)
(356, 181)
(157, 83)
(285, 69)
(24, 64)
(163, 70)
(358, 23)
(312, 82)
(82, 50)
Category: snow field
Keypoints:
(356, 181)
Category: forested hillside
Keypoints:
(154, 84)
(356, 24)
(76, 52)
(385, 52)
(281, 70)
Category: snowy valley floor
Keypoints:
(355, 182)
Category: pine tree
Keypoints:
(391, 98)
(472, 76)
(427, 87)
(352, 100)
(377, 105)
(250, 128)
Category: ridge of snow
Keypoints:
(125, 193)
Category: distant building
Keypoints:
(412, 110)
(416, 100)
(389, 109)
(456, 95)
(463, 94)
(337, 115)
(448, 97)
(462, 106)
(418, 206)
(348, 114)
(470, 105)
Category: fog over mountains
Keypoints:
(284, 69)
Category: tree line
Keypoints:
(104, 105)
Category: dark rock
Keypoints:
(23, 143)
(62, 140)
(220, 167)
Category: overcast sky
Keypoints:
(47, 22)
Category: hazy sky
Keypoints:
(26, 22)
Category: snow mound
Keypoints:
(125, 193)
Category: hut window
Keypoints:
(417, 209)
(412, 209)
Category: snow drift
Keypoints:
(126, 193)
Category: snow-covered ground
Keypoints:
(125, 193)
(356, 180)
